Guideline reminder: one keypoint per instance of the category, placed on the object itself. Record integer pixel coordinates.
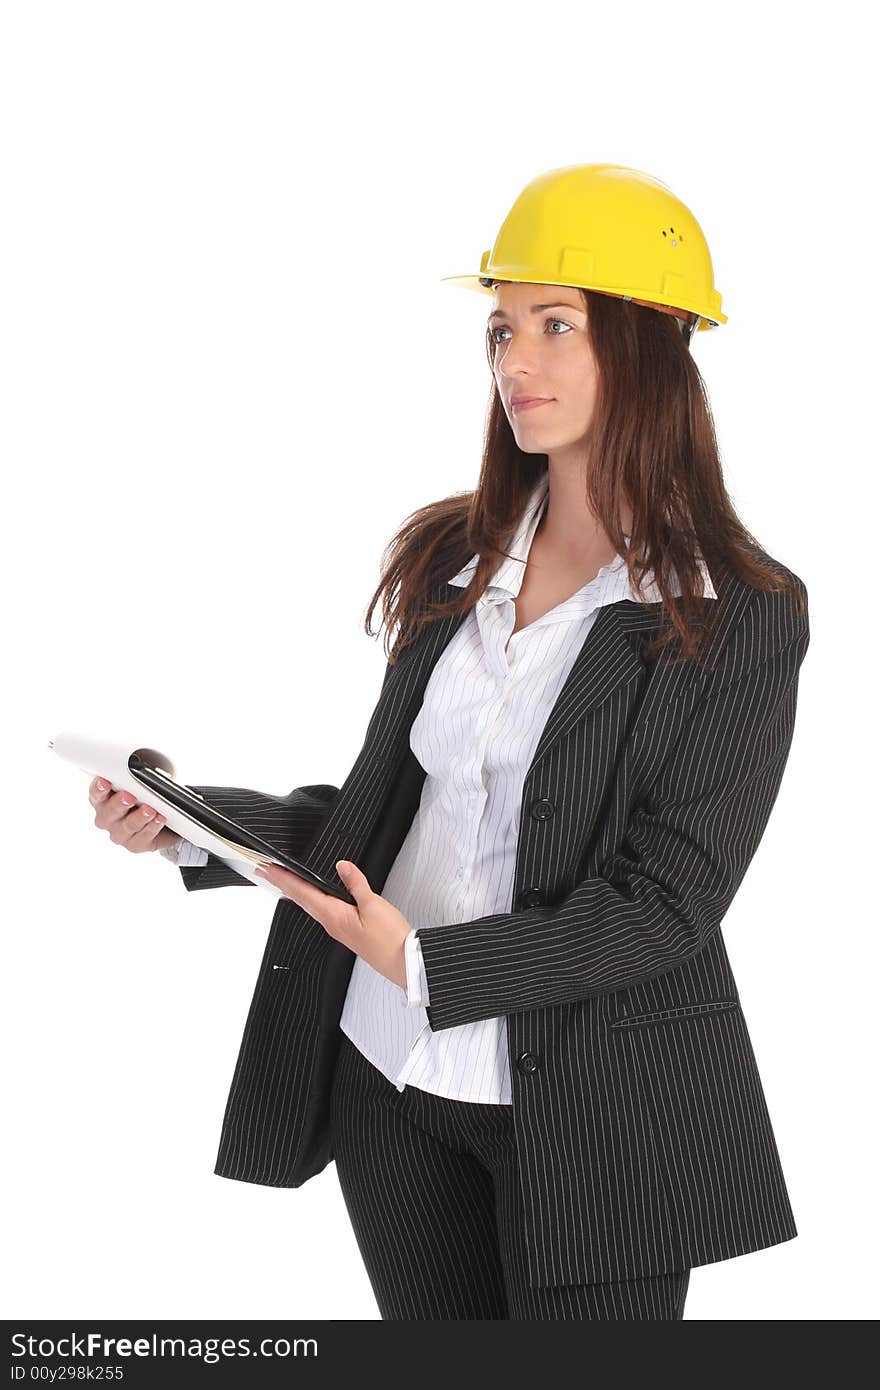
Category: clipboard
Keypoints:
(149, 776)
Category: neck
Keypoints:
(569, 529)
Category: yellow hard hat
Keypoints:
(607, 228)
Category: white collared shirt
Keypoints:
(484, 710)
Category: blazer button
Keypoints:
(543, 810)
(527, 1062)
(531, 897)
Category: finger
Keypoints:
(144, 836)
(99, 790)
(114, 806)
(115, 809)
(316, 902)
(291, 884)
(355, 880)
(153, 829)
(124, 830)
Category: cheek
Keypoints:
(575, 374)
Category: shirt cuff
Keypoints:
(185, 855)
(416, 979)
(192, 856)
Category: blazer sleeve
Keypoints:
(661, 895)
(287, 822)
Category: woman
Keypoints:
(524, 1046)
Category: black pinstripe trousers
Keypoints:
(432, 1189)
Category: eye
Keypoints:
(498, 328)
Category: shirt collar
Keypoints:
(508, 577)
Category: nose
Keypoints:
(516, 359)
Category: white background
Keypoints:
(229, 366)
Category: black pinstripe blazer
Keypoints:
(643, 1135)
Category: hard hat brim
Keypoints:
(475, 282)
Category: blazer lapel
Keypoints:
(607, 659)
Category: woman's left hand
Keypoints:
(374, 929)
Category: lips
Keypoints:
(528, 403)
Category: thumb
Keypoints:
(356, 882)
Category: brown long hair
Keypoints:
(651, 444)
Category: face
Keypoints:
(543, 352)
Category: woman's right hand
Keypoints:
(128, 822)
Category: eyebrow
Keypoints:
(537, 309)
